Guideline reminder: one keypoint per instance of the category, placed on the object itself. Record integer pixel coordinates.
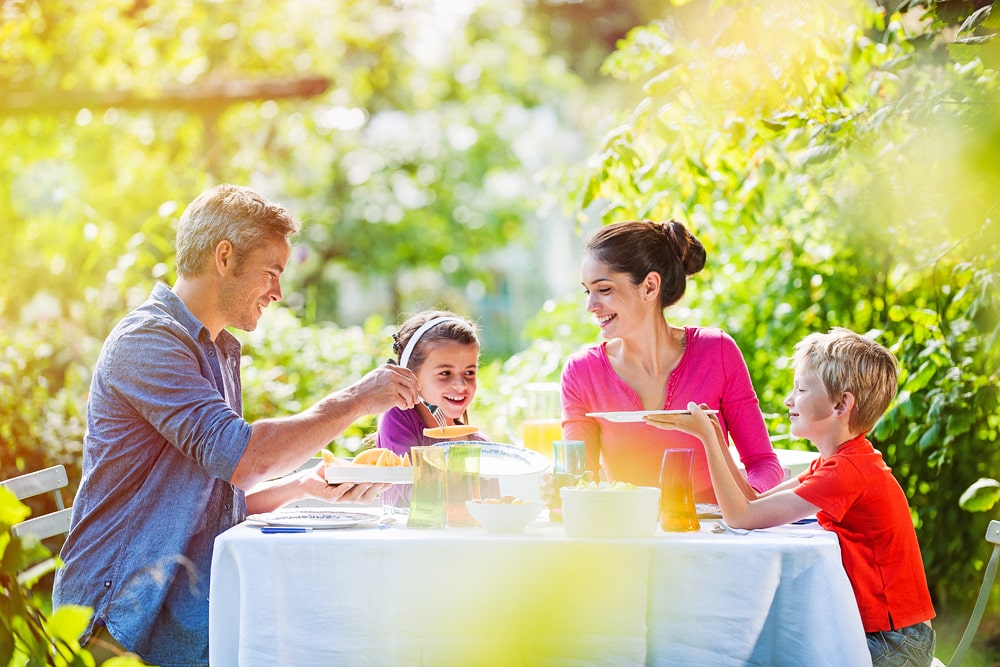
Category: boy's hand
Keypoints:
(694, 422)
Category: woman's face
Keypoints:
(615, 301)
(448, 376)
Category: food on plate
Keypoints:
(455, 431)
(506, 500)
(605, 486)
(381, 457)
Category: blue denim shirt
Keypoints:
(164, 434)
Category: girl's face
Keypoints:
(448, 376)
(810, 408)
(614, 300)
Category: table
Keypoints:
(392, 596)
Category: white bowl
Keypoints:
(607, 511)
(504, 517)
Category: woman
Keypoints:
(631, 272)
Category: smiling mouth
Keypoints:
(601, 321)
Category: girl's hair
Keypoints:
(455, 329)
(228, 213)
(639, 247)
(846, 361)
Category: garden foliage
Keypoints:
(840, 163)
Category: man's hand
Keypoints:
(388, 386)
(315, 485)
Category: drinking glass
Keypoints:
(463, 482)
(677, 510)
(428, 502)
(569, 463)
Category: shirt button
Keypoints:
(107, 583)
(227, 506)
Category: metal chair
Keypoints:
(35, 484)
(989, 576)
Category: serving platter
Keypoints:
(497, 459)
(343, 474)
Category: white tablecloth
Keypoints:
(392, 596)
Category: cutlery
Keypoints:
(722, 527)
(274, 530)
(433, 409)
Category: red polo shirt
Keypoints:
(862, 502)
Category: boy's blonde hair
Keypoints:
(846, 361)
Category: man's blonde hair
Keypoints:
(231, 213)
(846, 361)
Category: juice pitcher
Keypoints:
(536, 418)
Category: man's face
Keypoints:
(253, 282)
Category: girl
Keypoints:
(442, 350)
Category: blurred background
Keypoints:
(840, 161)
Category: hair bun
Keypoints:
(686, 246)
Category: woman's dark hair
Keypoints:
(638, 247)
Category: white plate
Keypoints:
(500, 460)
(639, 415)
(384, 474)
(708, 511)
(314, 518)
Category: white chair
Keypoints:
(35, 484)
(989, 576)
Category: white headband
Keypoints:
(412, 343)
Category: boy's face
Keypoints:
(810, 409)
(448, 376)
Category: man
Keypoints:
(169, 462)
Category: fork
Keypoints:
(435, 411)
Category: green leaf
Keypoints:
(975, 19)
(12, 510)
(930, 438)
(68, 622)
(981, 496)
(923, 375)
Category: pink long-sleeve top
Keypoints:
(711, 371)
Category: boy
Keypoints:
(843, 383)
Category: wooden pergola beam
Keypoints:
(198, 96)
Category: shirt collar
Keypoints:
(171, 303)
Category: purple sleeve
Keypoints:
(398, 430)
(745, 423)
